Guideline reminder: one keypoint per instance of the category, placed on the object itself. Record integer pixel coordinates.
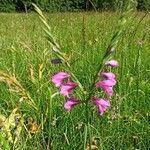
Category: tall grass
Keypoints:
(44, 124)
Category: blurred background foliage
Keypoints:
(69, 5)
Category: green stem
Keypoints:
(137, 65)
(50, 118)
(85, 137)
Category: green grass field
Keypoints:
(31, 119)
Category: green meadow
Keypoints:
(32, 114)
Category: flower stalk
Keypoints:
(66, 86)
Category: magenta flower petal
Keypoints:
(102, 104)
(70, 103)
(108, 75)
(112, 63)
(108, 90)
(66, 88)
(58, 78)
(104, 83)
(107, 86)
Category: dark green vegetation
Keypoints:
(69, 5)
(25, 58)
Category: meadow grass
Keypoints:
(26, 68)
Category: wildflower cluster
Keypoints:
(66, 86)
(62, 81)
(107, 84)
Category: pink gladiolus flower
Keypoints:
(66, 88)
(112, 63)
(58, 78)
(70, 103)
(108, 75)
(108, 90)
(102, 104)
(107, 86)
(106, 83)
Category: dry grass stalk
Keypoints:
(16, 87)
